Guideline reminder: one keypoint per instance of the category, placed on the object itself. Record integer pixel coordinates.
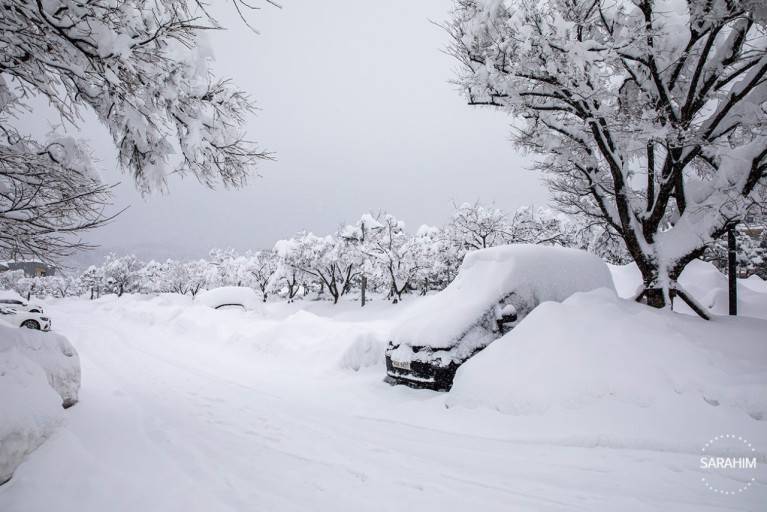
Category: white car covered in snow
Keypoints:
(14, 301)
(494, 290)
(230, 297)
(21, 318)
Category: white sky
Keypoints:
(357, 106)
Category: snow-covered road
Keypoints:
(166, 427)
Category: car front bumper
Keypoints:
(421, 375)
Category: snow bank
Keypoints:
(755, 283)
(216, 297)
(39, 372)
(706, 284)
(710, 287)
(615, 367)
(627, 279)
(366, 350)
(335, 337)
(535, 273)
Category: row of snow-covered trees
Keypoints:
(376, 254)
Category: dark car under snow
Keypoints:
(494, 290)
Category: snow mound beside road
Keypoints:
(39, 372)
(617, 368)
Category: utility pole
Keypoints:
(732, 252)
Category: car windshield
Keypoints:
(10, 301)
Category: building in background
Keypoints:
(30, 268)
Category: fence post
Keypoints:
(732, 252)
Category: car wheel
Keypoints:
(31, 324)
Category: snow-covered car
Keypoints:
(494, 290)
(15, 301)
(229, 297)
(21, 318)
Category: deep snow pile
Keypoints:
(534, 273)
(320, 341)
(603, 368)
(39, 373)
(755, 283)
(706, 284)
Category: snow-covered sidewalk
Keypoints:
(175, 423)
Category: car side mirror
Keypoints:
(508, 318)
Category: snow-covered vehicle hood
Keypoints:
(534, 274)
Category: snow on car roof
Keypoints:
(10, 295)
(537, 273)
(229, 295)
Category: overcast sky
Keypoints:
(358, 109)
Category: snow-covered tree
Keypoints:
(751, 251)
(121, 273)
(326, 259)
(92, 281)
(143, 69)
(55, 286)
(358, 238)
(49, 193)
(437, 258)
(262, 268)
(649, 116)
(393, 256)
(228, 268)
(9, 278)
(477, 226)
(184, 276)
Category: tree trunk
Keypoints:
(364, 286)
(655, 297)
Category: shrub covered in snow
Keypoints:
(39, 373)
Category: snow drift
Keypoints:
(39, 373)
(610, 367)
(706, 284)
(536, 273)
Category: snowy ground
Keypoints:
(185, 408)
